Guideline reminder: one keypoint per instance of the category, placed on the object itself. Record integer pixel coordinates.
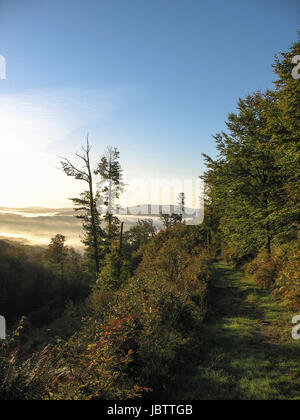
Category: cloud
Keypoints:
(37, 118)
(40, 229)
(35, 127)
(37, 226)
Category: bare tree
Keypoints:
(86, 204)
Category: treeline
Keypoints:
(134, 338)
(253, 186)
(37, 282)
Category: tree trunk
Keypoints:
(268, 227)
(93, 221)
(120, 251)
(268, 243)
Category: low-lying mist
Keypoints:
(36, 226)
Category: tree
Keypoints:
(169, 220)
(86, 206)
(111, 186)
(166, 220)
(140, 234)
(57, 254)
(211, 221)
(181, 205)
(125, 255)
(286, 135)
(135, 241)
(246, 178)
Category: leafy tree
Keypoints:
(246, 178)
(26, 285)
(252, 188)
(65, 262)
(180, 210)
(169, 220)
(125, 255)
(166, 220)
(140, 234)
(211, 220)
(135, 241)
(57, 254)
(110, 172)
(286, 134)
(37, 283)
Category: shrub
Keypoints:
(139, 336)
(130, 341)
(281, 271)
(287, 286)
(263, 270)
(24, 379)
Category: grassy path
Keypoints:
(249, 352)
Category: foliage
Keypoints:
(287, 282)
(252, 187)
(169, 220)
(86, 208)
(31, 281)
(24, 379)
(117, 269)
(145, 318)
(110, 185)
(135, 339)
(263, 270)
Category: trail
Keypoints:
(248, 351)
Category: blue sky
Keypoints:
(156, 78)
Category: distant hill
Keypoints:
(37, 225)
(155, 210)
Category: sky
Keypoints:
(154, 78)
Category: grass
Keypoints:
(248, 352)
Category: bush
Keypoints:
(287, 286)
(281, 272)
(263, 270)
(131, 341)
(24, 379)
(139, 337)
